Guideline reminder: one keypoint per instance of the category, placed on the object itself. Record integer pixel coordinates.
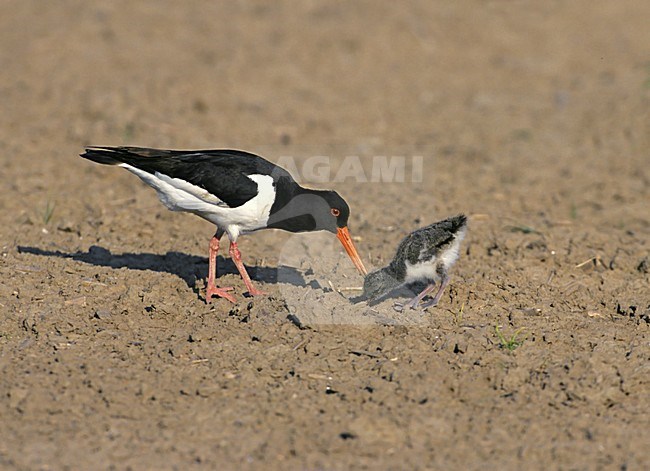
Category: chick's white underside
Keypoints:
(428, 270)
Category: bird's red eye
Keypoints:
(336, 212)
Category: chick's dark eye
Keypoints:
(336, 212)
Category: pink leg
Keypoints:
(235, 254)
(212, 289)
(416, 300)
(413, 303)
(443, 284)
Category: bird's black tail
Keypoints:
(458, 221)
(101, 155)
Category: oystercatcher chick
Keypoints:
(237, 191)
(426, 254)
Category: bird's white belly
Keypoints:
(426, 270)
(179, 195)
(421, 271)
(449, 256)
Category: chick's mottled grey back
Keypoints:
(423, 244)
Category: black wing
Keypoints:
(425, 243)
(222, 172)
(417, 248)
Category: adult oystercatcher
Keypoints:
(426, 254)
(237, 191)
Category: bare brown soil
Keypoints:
(533, 118)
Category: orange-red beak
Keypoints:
(344, 237)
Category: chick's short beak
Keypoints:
(344, 236)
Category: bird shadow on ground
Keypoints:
(401, 292)
(189, 268)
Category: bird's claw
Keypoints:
(429, 304)
(399, 307)
(221, 292)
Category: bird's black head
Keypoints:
(337, 213)
(311, 210)
(315, 210)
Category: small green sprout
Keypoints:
(49, 211)
(524, 229)
(511, 343)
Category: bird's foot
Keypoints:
(428, 304)
(252, 291)
(221, 292)
(413, 304)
